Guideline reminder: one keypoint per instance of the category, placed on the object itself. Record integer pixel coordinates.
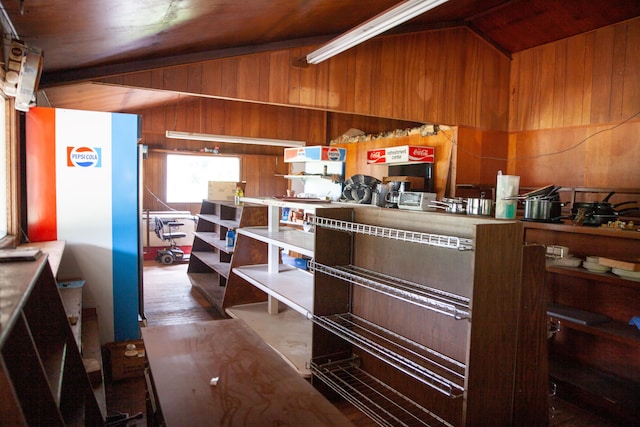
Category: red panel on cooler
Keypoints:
(41, 175)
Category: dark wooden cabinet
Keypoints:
(422, 311)
(42, 376)
(595, 357)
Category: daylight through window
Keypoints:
(188, 175)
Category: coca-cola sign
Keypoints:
(401, 154)
(422, 154)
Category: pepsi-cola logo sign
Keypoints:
(84, 157)
(333, 153)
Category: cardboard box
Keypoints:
(224, 190)
(125, 362)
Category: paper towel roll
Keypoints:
(507, 185)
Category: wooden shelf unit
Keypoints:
(275, 299)
(42, 376)
(210, 261)
(596, 365)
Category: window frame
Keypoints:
(203, 155)
(13, 168)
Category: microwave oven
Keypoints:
(416, 201)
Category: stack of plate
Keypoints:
(568, 261)
(627, 269)
(626, 274)
(595, 267)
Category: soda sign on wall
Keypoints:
(315, 153)
(401, 154)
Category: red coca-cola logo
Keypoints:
(422, 153)
(376, 156)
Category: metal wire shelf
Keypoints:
(384, 405)
(442, 241)
(427, 365)
(430, 298)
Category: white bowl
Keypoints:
(557, 251)
(626, 274)
(595, 267)
(593, 259)
(568, 261)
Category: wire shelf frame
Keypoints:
(384, 405)
(424, 364)
(437, 300)
(438, 240)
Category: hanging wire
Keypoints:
(573, 147)
(158, 199)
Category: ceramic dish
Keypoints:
(593, 259)
(595, 267)
(626, 274)
(569, 261)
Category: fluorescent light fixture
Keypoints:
(378, 24)
(233, 139)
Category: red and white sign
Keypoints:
(401, 154)
(315, 153)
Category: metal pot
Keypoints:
(479, 206)
(542, 209)
(450, 205)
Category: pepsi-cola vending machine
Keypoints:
(82, 179)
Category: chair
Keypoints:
(165, 230)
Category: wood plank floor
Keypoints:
(170, 299)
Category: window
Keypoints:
(4, 171)
(188, 175)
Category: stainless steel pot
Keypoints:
(537, 209)
(479, 206)
(450, 205)
(542, 209)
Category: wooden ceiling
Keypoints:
(90, 39)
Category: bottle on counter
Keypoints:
(231, 238)
(238, 195)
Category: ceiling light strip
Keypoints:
(233, 139)
(385, 21)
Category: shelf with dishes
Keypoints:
(610, 277)
(595, 357)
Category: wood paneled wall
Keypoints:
(592, 78)
(552, 115)
(575, 110)
(223, 117)
(447, 76)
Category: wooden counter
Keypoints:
(255, 386)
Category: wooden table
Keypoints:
(255, 386)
